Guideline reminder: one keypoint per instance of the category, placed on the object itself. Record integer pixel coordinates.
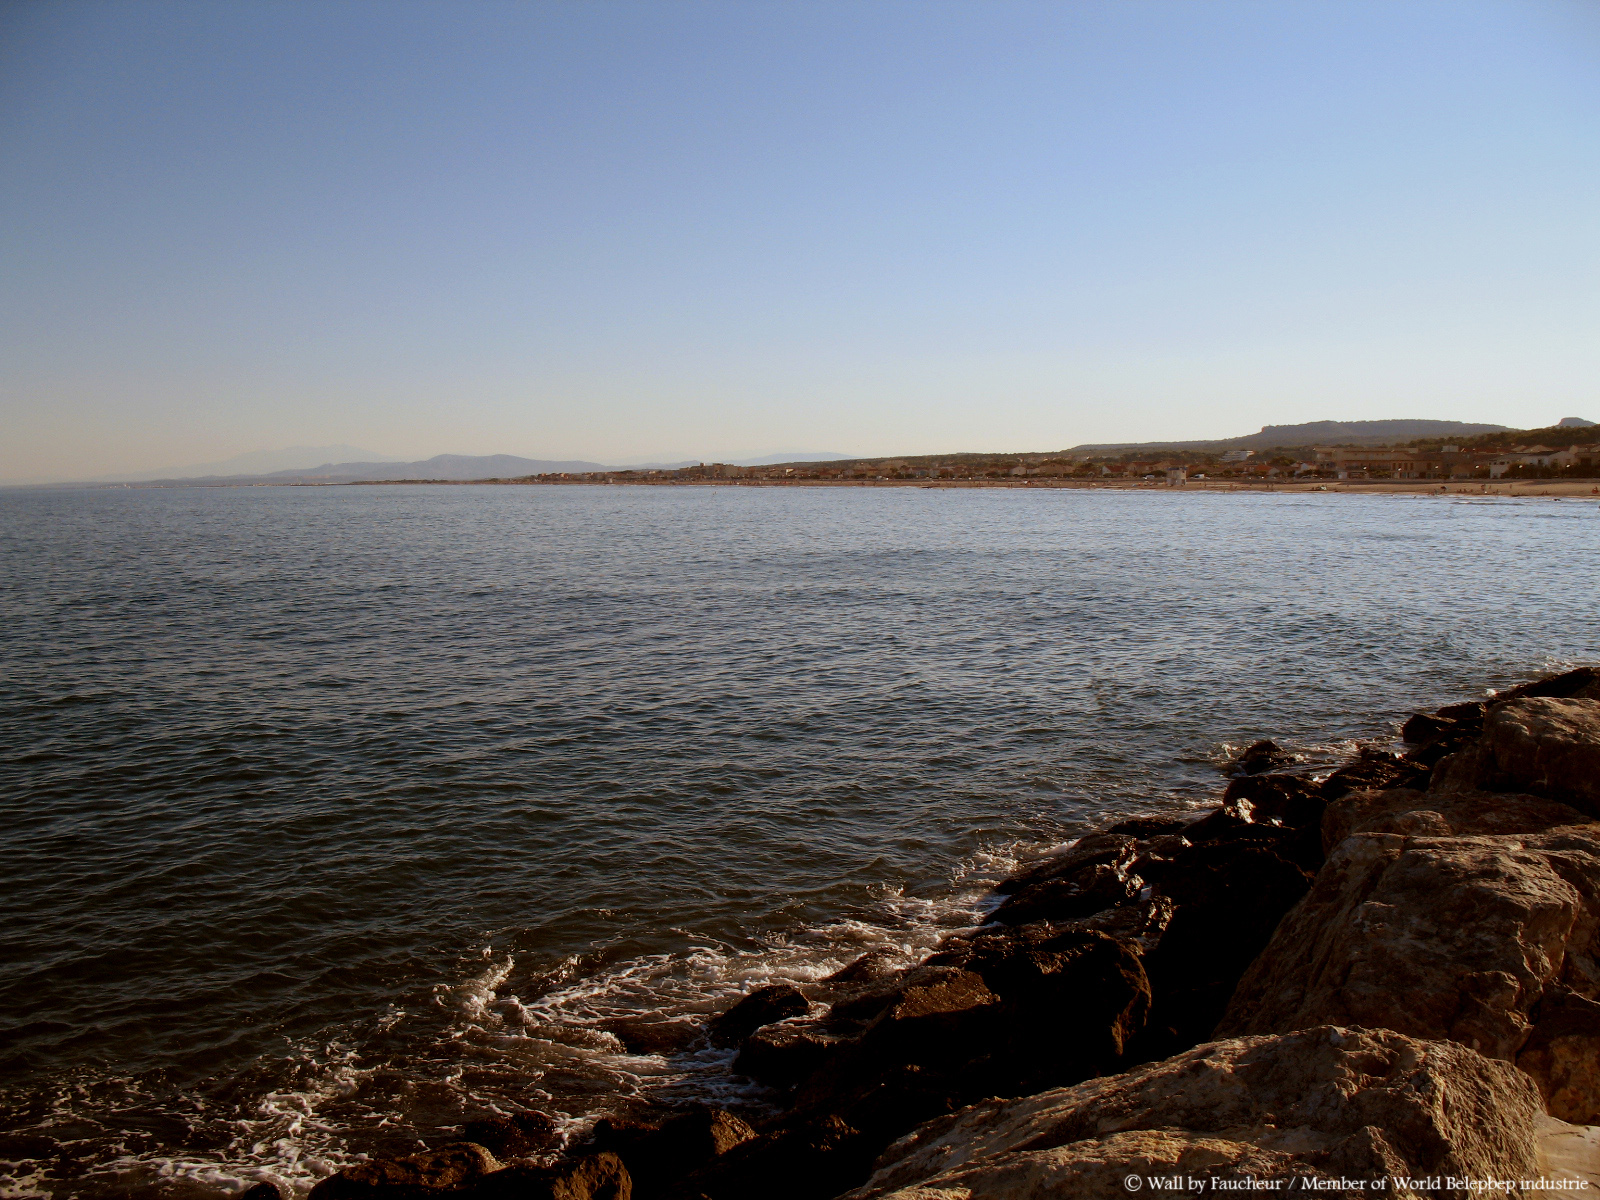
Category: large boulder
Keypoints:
(657, 1157)
(1324, 1103)
(1228, 898)
(1546, 745)
(467, 1171)
(1456, 938)
(1441, 814)
(775, 1002)
(803, 1159)
(451, 1167)
(591, 1177)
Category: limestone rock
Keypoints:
(1546, 745)
(1434, 814)
(1562, 1054)
(1436, 937)
(1325, 1101)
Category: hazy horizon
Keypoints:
(619, 232)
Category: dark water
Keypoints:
(334, 816)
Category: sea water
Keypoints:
(334, 817)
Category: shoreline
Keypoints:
(1558, 488)
(1171, 995)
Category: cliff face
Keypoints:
(1402, 961)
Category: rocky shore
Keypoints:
(1386, 978)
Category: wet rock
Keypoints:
(775, 1002)
(1436, 937)
(261, 1191)
(591, 1177)
(873, 965)
(1147, 827)
(1374, 768)
(805, 1159)
(656, 1158)
(783, 1054)
(1094, 849)
(515, 1136)
(1431, 814)
(1259, 757)
(1582, 682)
(645, 1037)
(1323, 1102)
(853, 1013)
(457, 1165)
(1545, 745)
(1089, 889)
(1028, 1009)
(1228, 900)
(1288, 800)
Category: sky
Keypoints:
(614, 231)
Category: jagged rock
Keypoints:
(783, 1054)
(1228, 899)
(853, 1013)
(1289, 800)
(1447, 937)
(656, 1158)
(592, 1177)
(1582, 682)
(514, 1136)
(775, 1002)
(1432, 814)
(453, 1166)
(805, 1159)
(1071, 1003)
(1545, 745)
(1562, 1054)
(1147, 827)
(1321, 1102)
(873, 965)
(1373, 768)
(1087, 890)
(651, 1037)
(1259, 757)
(1094, 849)
(260, 1191)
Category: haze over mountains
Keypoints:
(350, 464)
(324, 464)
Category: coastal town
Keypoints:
(1560, 454)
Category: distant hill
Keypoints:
(1342, 433)
(440, 466)
(256, 462)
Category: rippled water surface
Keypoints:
(335, 816)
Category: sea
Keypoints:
(337, 816)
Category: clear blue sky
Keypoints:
(615, 230)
